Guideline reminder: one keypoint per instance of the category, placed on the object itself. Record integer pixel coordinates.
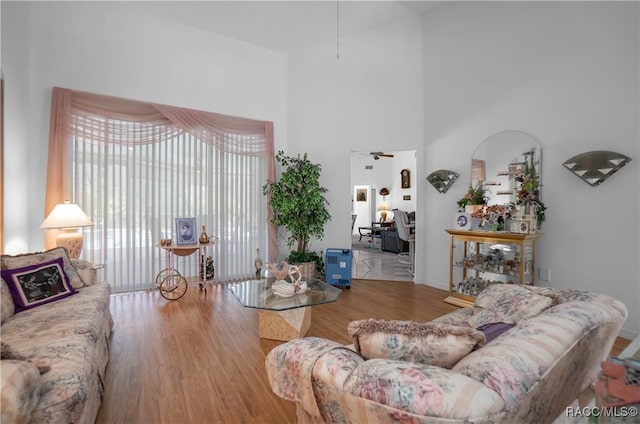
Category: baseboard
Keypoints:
(441, 286)
(628, 334)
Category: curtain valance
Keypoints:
(73, 113)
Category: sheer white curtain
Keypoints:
(134, 176)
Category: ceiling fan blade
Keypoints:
(378, 155)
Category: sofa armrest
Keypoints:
(88, 271)
(19, 389)
(290, 368)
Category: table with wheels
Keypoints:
(171, 283)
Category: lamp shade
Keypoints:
(384, 207)
(66, 215)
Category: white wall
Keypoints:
(368, 99)
(567, 73)
(112, 48)
(21, 156)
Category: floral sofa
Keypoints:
(56, 325)
(520, 355)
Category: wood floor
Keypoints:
(199, 359)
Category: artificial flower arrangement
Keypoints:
(528, 195)
(495, 214)
(473, 196)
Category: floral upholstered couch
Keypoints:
(55, 338)
(521, 355)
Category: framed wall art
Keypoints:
(186, 231)
(361, 195)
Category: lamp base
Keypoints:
(72, 240)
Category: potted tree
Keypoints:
(299, 205)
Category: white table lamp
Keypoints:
(384, 208)
(68, 217)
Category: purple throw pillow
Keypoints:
(37, 284)
(493, 330)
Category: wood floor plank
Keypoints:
(200, 360)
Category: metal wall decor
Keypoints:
(596, 166)
(442, 179)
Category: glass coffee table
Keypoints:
(283, 318)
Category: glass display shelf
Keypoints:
(481, 258)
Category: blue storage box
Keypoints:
(338, 267)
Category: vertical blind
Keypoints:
(135, 178)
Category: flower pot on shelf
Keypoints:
(472, 208)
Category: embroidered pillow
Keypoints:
(440, 345)
(507, 303)
(19, 261)
(37, 284)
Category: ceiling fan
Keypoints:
(378, 155)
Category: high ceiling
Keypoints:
(285, 26)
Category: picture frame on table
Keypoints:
(462, 221)
(186, 231)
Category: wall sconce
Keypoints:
(442, 179)
(595, 167)
(67, 217)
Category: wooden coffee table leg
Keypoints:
(284, 325)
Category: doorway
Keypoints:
(378, 185)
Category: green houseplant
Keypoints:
(299, 205)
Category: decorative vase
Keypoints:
(528, 210)
(204, 238)
(258, 264)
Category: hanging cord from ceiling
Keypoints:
(337, 29)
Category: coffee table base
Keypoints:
(284, 325)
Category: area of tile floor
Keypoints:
(369, 262)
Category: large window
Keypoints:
(134, 177)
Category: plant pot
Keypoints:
(472, 208)
(307, 269)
